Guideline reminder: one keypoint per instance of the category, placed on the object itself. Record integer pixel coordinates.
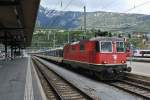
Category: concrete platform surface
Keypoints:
(138, 59)
(17, 80)
(12, 79)
(140, 67)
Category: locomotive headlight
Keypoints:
(122, 61)
(115, 57)
(104, 62)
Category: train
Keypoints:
(141, 53)
(104, 57)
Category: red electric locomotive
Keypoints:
(105, 57)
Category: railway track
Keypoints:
(135, 84)
(58, 88)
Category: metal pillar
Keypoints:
(54, 44)
(85, 20)
(5, 50)
(15, 52)
(11, 52)
(68, 37)
(19, 53)
(84, 36)
(5, 45)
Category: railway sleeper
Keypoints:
(48, 90)
(137, 84)
(48, 74)
(139, 81)
(133, 89)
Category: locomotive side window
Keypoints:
(97, 46)
(81, 47)
(120, 47)
(106, 46)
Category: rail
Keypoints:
(136, 84)
(60, 88)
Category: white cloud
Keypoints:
(100, 5)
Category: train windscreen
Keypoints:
(106, 46)
(120, 46)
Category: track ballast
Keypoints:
(135, 84)
(57, 87)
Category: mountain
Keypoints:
(122, 22)
(106, 21)
(58, 19)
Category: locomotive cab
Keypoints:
(112, 54)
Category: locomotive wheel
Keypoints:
(105, 76)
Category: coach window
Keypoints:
(81, 47)
(106, 46)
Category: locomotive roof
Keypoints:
(99, 39)
(59, 48)
(106, 39)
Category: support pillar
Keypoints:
(11, 52)
(19, 52)
(5, 50)
(5, 46)
(15, 52)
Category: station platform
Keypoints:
(18, 80)
(138, 59)
(142, 68)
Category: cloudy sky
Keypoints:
(126, 6)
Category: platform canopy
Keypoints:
(17, 21)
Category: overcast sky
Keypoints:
(126, 6)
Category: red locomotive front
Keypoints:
(110, 52)
(103, 56)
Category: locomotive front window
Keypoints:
(120, 47)
(106, 46)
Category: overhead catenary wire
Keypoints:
(136, 6)
(108, 4)
(52, 11)
(69, 3)
(62, 10)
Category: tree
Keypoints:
(129, 35)
(110, 34)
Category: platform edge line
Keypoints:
(38, 82)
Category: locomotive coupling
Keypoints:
(129, 69)
(118, 70)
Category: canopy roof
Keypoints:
(17, 21)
